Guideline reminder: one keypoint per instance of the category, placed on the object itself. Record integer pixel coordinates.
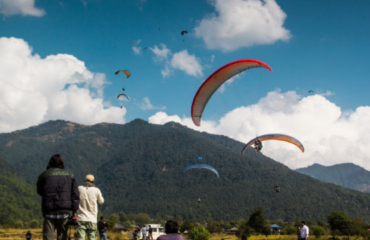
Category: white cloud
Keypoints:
(137, 50)
(327, 93)
(161, 54)
(146, 105)
(187, 63)
(242, 23)
(35, 89)
(182, 60)
(212, 58)
(329, 135)
(22, 7)
(166, 71)
(140, 4)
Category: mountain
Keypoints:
(137, 165)
(18, 199)
(346, 175)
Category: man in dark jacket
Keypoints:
(102, 227)
(60, 196)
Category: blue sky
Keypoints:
(327, 51)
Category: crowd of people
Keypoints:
(64, 203)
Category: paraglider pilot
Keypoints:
(257, 146)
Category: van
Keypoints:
(158, 230)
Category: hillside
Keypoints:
(137, 167)
(18, 199)
(346, 175)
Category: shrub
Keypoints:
(199, 233)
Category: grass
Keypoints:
(19, 234)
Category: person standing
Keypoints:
(59, 191)
(102, 227)
(172, 232)
(304, 231)
(150, 237)
(136, 232)
(28, 235)
(88, 209)
(299, 233)
(144, 231)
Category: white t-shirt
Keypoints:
(88, 209)
(144, 230)
(304, 231)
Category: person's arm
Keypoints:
(40, 186)
(307, 232)
(100, 197)
(75, 198)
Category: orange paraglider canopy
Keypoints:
(275, 136)
(213, 82)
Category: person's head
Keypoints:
(171, 227)
(56, 161)
(101, 218)
(29, 231)
(299, 228)
(89, 178)
(150, 226)
(303, 223)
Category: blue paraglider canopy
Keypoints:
(200, 158)
(201, 166)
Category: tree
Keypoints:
(257, 220)
(112, 221)
(317, 231)
(199, 233)
(339, 222)
(214, 227)
(122, 217)
(359, 228)
(187, 225)
(142, 218)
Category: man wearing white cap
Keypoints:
(88, 209)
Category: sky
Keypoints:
(58, 61)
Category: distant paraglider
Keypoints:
(277, 188)
(310, 91)
(279, 137)
(128, 74)
(200, 158)
(203, 166)
(213, 82)
(184, 32)
(199, 200)
(123, 89)
(121, 95)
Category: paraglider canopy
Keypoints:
(204, 166)
(275, 136)
(200, 158)
(310, 91)
(128, 74)
(184, 32)
(121, 95)
(213, 82)
(199, 200)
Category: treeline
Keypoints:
(336, 224)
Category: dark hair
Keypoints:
(56, 161)
(303, 222)
(171, 227)
(101, 218)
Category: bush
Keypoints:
(34, 224)
(318, 231)
(199, 233)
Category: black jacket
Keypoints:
(59, 191)
(102, 226)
